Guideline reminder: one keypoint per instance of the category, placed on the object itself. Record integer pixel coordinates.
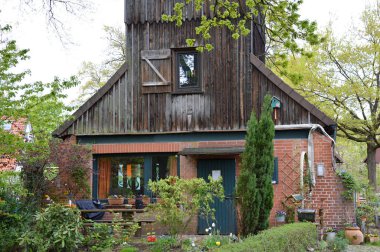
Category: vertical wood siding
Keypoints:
(232, 87)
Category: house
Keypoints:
(170, 110)
(19, 127)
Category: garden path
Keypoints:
(360, 248)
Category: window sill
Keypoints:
(187, 92)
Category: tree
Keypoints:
(39, 103)
(343, 80)
(53, 10)
(278, 19)
(254, 185)
(95, 75)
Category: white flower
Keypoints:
(213, 224)
(209, 234)
(230, 234)
(193, 244)
(206, 230)
(210, 228)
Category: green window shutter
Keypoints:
(275, 172)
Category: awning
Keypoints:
(212, 151)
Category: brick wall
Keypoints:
(325, 195)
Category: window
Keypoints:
(188, 77)
(120, 176)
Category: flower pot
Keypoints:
(330, 236)
(115, 201)
(146, 200)
(131, 201)
(374, 239)
(354, 235)
(363, 218)
(280, 218)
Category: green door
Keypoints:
(224, 210)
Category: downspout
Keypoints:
(310, 155)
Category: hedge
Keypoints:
(290, 237)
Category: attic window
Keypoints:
(187, 69)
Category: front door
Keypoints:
(224, 210)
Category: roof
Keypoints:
(90, 102)
(290, 91)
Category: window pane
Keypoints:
(127, 176)
(187, 72)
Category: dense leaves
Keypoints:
(254, 187)
(343, 80)
(278, 19)
(183, 199)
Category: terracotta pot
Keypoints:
(146, 200)
(363, 219)
(354, 235)
(132, 201)
(117, 201)
(374, 239)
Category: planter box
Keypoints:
(280, 218)
(117, 201)
(306, 215)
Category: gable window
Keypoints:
(187, 70)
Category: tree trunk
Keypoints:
(371, 164)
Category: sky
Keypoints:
(49, 57)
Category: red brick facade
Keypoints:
(326, 194)
(17, 128)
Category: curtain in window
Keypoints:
(104, 177)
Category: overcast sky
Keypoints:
(50, 58)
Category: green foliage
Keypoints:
(289, 237)
(339, 244)
(214, 240)
(184, 199)
(349, 184)
(279, 20)
(254, 186)
(129, 249)
(342, 79)
(14, 210)
(57, 228)
(165, 244)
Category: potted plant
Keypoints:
(353, 234)
(280, 216)
(145, 200)
(115, 199)
(372, 238)
(330, 234)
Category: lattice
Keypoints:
(290, 173)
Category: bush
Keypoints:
(57, 228)
(337, 245)
(290, 237)
(14, 215)
(184, 199)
